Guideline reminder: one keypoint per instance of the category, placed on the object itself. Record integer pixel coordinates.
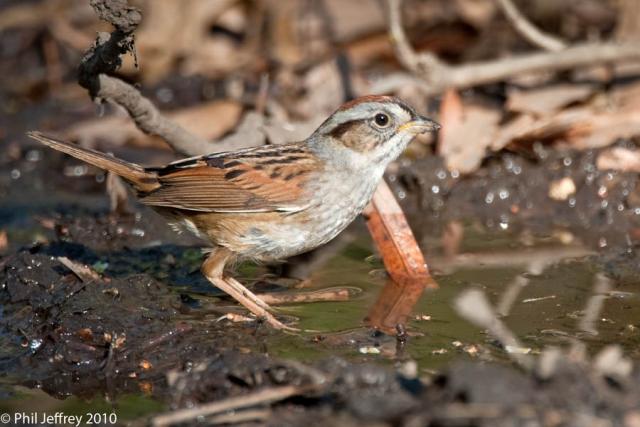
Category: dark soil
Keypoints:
(129, 331)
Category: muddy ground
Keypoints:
(150, 324)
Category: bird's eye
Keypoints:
(382, 120)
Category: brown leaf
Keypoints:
(620, 159)
(4, 240)
(467, 132)
(476, 12)
(355, 18)
(249, 133)
(209, 120)
(547, 100)
(280, 132)
(606, 128)
(527, 129)
(179, 32)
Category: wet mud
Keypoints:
(148, 323)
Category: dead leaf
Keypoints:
(547, 100)
(4, 240)
(180, 32)
(476, 12)
(85, 334)
(249, 133)
(355, 18)
(281, 132)
(467, 132)
(513, 130)
(209, 120)
(620, 159)
(526, 128)
(605, 129)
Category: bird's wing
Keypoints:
(263, 179)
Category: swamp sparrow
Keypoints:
(272, 202)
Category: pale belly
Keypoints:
(277, 236)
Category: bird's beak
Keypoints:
(420, 125)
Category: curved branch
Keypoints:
(148, 118)
(438, 76)
(526, 29)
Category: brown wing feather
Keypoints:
(259, 180)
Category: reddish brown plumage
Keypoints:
(369, 98)
(266, 179)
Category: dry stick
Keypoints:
(118, 193)
(525, 257)
(84, 272)
(240, 417)
(269, 395)
(601, 286)
(526, 29)
(333, 294)
(474, 306)
(439, 76)
(513, 289)
(394, 239)
(149, 119)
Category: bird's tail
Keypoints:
(141, 179)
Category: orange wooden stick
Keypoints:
(391, 233)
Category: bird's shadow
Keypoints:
(176, 265)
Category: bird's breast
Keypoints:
(332, 203)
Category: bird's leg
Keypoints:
(213, 268)
(253, 297)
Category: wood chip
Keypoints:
(392, 235)
(561, 189)
(84, 272)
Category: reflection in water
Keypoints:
(395, 304)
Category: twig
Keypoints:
(104, 58)
(512, 290)
(332, 294)
(180, 329)
(118, 194)
(601, 286)
(526, 29)
(149, 119)
(440, 76)
(240, 417)
(84, 273)
(269, 395)
(474, 306)
(526, 257)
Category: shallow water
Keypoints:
(547, 305)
